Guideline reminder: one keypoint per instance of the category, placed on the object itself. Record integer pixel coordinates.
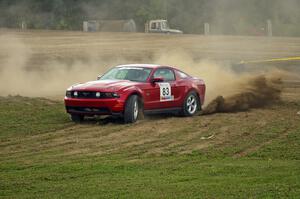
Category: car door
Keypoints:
(161, 95)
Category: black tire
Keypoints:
(141, 114)
(132, 109)
(191, 105)
(77, 118)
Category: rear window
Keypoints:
(182, 75)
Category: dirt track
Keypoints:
(158, 135)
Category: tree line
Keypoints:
(236, 17)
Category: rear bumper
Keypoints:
(94, 106)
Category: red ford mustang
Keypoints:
(132, 90)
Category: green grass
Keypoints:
(287, 148)
(161, 177)
(23, 116)
(270, 171)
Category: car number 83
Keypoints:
(165, 92)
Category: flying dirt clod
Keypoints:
(259, 92)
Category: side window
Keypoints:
(165, 73)
(153, 26)
(182, 75)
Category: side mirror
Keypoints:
(157, 79)
(98, 78)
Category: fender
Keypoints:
(133, 90)
(199, 90)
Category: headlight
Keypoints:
(69, 94)
(115, 95)
(98, 94)
(111, 95)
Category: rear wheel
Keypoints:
(191, 104)
(77, 118)
(132, 109)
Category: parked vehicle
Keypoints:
(160, 26)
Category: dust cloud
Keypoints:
(227, 90)
(50, 80)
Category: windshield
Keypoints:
(136, 74)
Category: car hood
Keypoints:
(104, 85)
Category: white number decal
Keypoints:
(165, 92)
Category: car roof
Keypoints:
(144, 66)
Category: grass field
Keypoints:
(252, 154)
(45, 156)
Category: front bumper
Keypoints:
(113, 106)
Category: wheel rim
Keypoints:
(191, 104)
(135, 110)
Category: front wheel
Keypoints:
(191, 104)
(77, 118)
(132, 108)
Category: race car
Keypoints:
(130, 91)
